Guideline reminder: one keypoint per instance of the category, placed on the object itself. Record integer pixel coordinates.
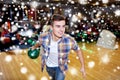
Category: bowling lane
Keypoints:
(100, 64)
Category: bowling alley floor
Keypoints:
(100, 63)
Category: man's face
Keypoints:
(58, 28)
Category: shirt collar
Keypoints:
(50, 36)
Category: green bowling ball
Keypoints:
(31, 42)
(33, 54)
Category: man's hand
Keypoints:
(35, 46)
(83, 72)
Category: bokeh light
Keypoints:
(32, 77)
(23, 70)
(91, 64)
(8, 58)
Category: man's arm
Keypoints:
(80, 55)
(35, 46)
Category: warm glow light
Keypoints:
(1, 73)
(8, 58)
(118, 67)
(91, 64)
(44, 78)
(17, 51)
(34, 4)
(74, 18)
(73, 71)
(31, 77)
(105, 59)
(83, 1)
(105, 1)
(117, 12)
(21, 63)
(4, 9)
(23, 70)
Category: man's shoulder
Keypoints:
(45, 34)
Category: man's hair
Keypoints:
(57, 17)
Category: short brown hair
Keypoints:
(57, 17)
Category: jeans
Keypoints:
(55, 73)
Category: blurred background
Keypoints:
(95, 24)
(85, 19)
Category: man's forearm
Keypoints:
(35, 46)
(80, 55)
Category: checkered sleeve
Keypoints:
(75, 45)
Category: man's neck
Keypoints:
(55, 38)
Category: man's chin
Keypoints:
(60, 36)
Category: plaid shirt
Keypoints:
(64, 46)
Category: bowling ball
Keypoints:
(33, 54)
(31, 42)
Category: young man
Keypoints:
(57, 45)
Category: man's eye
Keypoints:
(58, 26)
(64, 26)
